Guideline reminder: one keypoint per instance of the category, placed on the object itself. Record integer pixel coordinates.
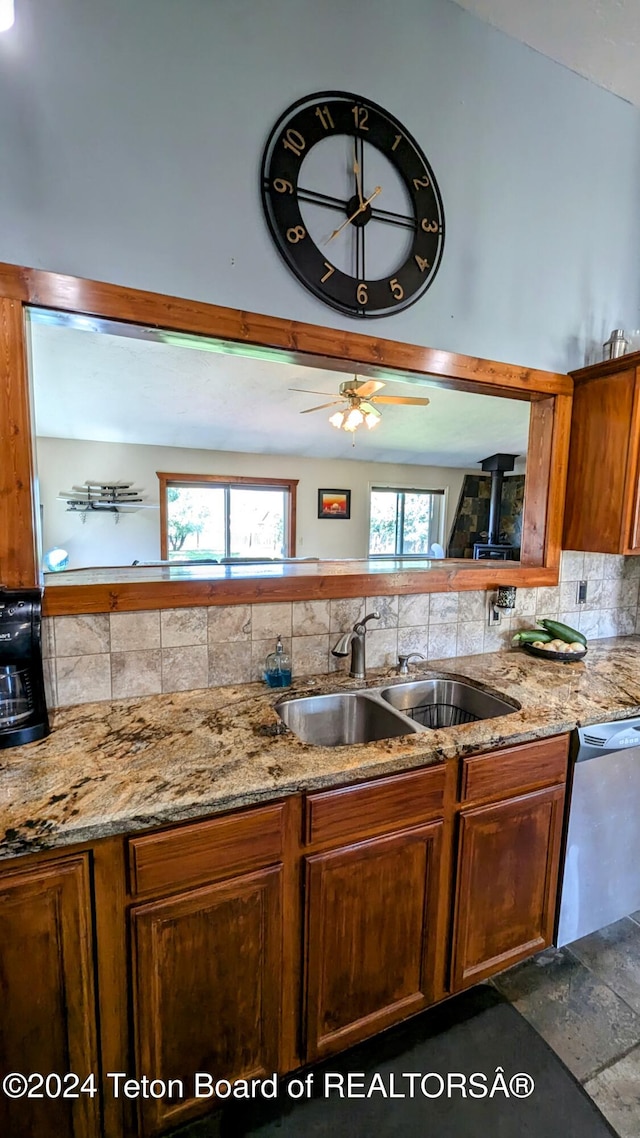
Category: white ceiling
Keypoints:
(600, 39)
(115, 388)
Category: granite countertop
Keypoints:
(127, 765)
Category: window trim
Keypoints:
(238, 481)
(394, 487)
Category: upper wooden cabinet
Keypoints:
(602, 503)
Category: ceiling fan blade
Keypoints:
(322, 406)
(367, 408)
(399, 399)
(366, 388)
(309, 391)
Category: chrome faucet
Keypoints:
(403, 662)
(355, 641)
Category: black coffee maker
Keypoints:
(23, 710)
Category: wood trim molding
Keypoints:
(545, 484)
(299, 343)
(605, 367)
(96, 298)
(164, 515)
(557, 480)
(18, 559)
(227, 479)
(64, 600)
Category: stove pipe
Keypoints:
(496, 465)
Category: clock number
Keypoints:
(396, 288)
(362, 294)
(324, 115)
(282, 186)
(294, 141)
(361, 116)
(295, 234)
(398, 138)
(430, 226)
(421, 183)
(421, 263)
(330, 269)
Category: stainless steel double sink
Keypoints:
(343, 718)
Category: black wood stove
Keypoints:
(493, 549)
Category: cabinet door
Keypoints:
(601, 455)
(508, 865)
(47, 1013)
(207, 989)
(371, 936)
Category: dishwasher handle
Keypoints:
(608, 738)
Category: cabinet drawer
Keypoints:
(517, 769)
(206, 851)
(374, 807)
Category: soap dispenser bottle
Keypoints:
(277, 667)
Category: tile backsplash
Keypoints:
(107, 656)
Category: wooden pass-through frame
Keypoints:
(549, 393)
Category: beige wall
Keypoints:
(63, 463)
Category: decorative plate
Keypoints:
(557, 657)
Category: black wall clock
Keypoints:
(352, 204)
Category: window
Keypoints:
(215, 517)
(404, 520)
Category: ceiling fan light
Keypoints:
(337, 419)
(354, 419)
(372, 419)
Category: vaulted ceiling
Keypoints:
(600, 39)
(122, 389)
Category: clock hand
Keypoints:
(356, 170)
(360, 209)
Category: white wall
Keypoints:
(63, 463)
(131, 135)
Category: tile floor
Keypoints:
(584, 1000)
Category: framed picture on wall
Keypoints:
(334, 503)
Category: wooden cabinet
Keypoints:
(185, 856)
(376, 904)
(207, 989)
(508, 862)
(254, 941)
(602, 500)
(514, 770)
(507, 873)
(372, 910)
(48, 1013)
(383, 804)
(208, 961)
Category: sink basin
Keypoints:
(347, 717)
(383, 713)
(441, 702)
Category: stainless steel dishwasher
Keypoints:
(601, 881)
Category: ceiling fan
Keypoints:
(359, 397)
